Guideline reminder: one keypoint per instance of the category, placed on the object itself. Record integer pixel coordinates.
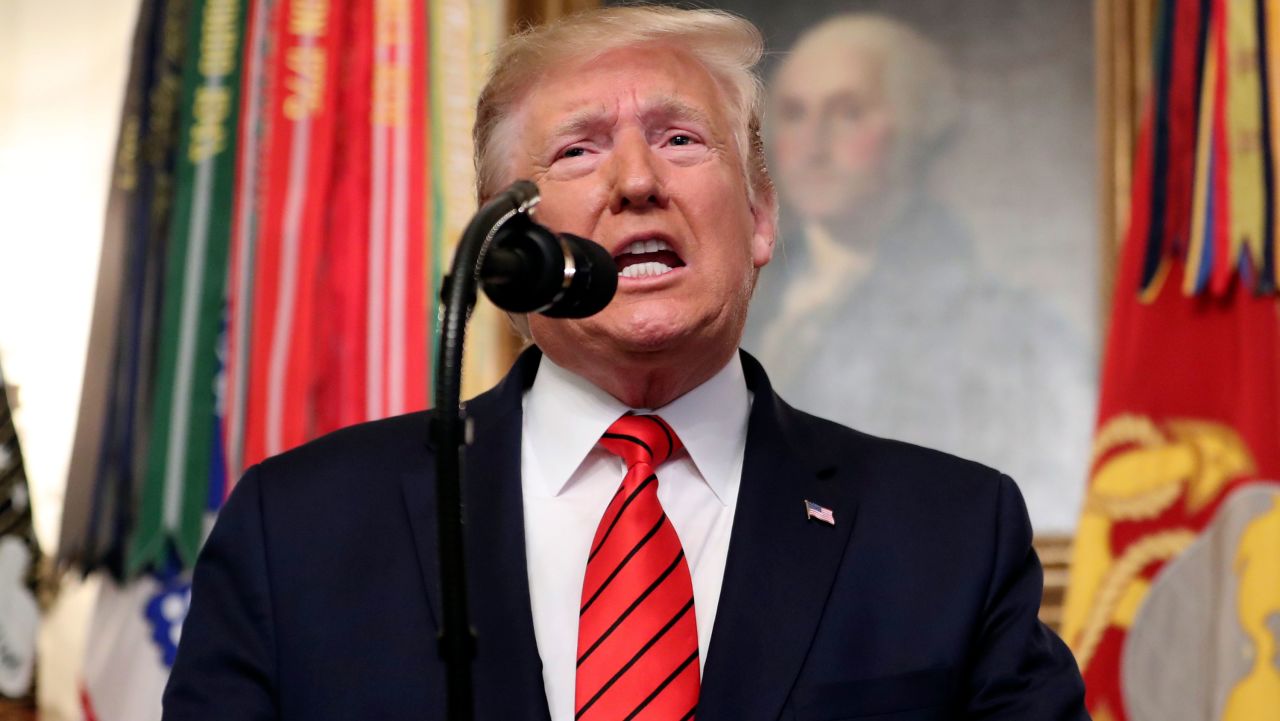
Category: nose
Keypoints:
(636, 175)
(817, 131)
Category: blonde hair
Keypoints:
(727, 46)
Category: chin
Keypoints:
(642, 320)
(814, 206)
(652, 337)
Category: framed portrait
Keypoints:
(936, 278)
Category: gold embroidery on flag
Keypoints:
(209, 131)
(392, 69)
(308, 21)
(1141, 469)
(305, 83)
(127, 157)
(1118, 578)
(1257, 563)
(308, 17)
(1220, 456)
(219, 37)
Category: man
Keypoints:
(725, 557)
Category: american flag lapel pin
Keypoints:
(813, 510)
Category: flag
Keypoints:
(463, 35)
(813, 510)
(109, 450)
(172, 454)
(340, 284)
(181, 443)
(19, 553)
(251, 150)
(278, 223)
(133, 637)
(1175, 575)
(300, 115)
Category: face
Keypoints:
(832, 131)
(635, 151)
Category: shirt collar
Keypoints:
(565, 415)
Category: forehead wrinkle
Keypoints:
(585, 119)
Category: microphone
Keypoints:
(529, 269)
(524, 268)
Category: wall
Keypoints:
(62, 74)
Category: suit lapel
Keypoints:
(508, 670)
(777, 578)
(780, 568)
(420, 503)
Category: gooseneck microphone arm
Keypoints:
(523, 268)
(457, 638)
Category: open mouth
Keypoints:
(647, 258)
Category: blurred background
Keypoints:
(1039, 235)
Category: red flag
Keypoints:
(1187, 441)
(341, 354)
(396, 341)
(339, 290)
(245, 227)
(292, 228)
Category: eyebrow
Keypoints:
(672, 108)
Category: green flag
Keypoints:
(182, 447)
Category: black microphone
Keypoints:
(524, 268)
(529, 269)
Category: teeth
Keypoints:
(645, 246)
(644, 270)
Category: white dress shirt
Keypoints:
(568, 480)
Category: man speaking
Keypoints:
(651, 532)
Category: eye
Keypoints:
(791, 110)
(681, 139)
(573, 152)
(851, 112)
(848, 107)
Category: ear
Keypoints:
(764, 214)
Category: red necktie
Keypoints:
(637, 635)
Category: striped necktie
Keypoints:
(637, 635)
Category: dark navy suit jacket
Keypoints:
(316, 596)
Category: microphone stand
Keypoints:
(450, 430)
